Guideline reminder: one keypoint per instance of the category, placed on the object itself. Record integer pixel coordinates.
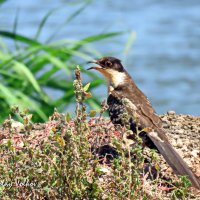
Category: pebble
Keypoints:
(175, 136)
(180, 131)
(179, 143)
(173, 143)
(171, 112)
(195, 153)
(166, 126)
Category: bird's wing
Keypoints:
(144, 109)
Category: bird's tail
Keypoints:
(175, 161)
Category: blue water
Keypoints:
(165, 57)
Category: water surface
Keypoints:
(165, 58)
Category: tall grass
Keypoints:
(32, 72)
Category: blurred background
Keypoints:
(42, 41)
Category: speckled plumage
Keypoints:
(116, 109)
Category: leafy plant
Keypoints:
(33, 72)
(76, 158)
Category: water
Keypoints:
(165, 58)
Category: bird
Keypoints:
(125, 96)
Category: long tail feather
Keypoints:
(175, 161)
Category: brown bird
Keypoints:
(124, 95)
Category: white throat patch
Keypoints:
(115, 78)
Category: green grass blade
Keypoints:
(130, 42)
(23, 71)
(29, 103)
(47, 75)
(13, 97)
(68, 20)
(56, 62)
(8, 95)
(59, 84)
(77, 53)
(43, 22)
(77, 12)
(94, 38)
(18, 98)
(9, 75)
(15, 27)
(20, 38)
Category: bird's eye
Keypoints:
(108, 63)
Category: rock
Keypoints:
(179, 143)
(171, 112)
(18, 126)
(195, 153)
(180, 131)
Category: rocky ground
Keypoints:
(183, 132)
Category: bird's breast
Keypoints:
(115, 109)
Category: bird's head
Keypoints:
(112, 69)
(107, 64)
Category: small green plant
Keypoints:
(79, 157)
(181, 191)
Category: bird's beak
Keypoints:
(103, 70)
(94, 67)
(93, 61)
